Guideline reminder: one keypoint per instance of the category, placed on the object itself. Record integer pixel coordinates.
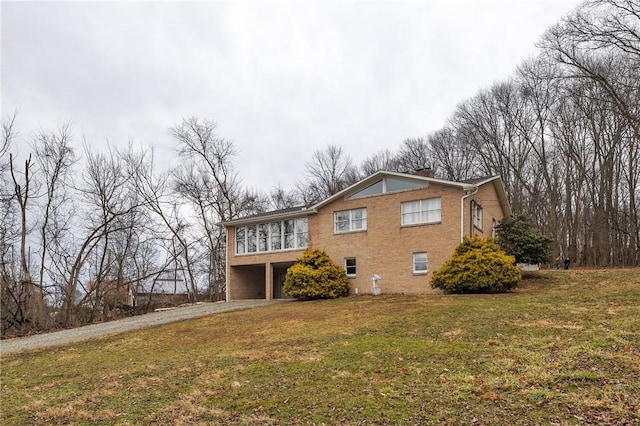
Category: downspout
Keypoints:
(227, 268)
(462, 211)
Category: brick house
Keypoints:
(398, 226)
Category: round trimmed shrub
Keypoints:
(478, 265)
(315, 276)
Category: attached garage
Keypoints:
(248, 282)
(261, 281)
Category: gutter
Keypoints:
(475, 191)
(269, 217)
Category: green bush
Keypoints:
(519, 236)
(315, 276)
(478, 265)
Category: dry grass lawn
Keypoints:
(562, 349)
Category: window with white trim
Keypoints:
(251, 239)
(241, 239)
(350, 266)
(350, 220)
(477, 215)
(494, 226)
(263, 237)
(289, 234)
(421, 211)
(272, 236)
(420, 263)
(276, 236)
(302, 233)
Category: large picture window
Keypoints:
(421, 211)
(272, 236)
(350, 220)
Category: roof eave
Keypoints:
(268, 217)
(502, 194)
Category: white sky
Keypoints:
(281, 79)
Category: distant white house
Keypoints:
(167, 288)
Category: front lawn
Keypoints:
(564, 348)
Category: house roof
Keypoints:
(162, 286)
(478, 180)
(499, 186)
(291, 212)
(301, 211)
(379, 175)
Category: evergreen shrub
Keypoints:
(519, 236)
(315, 276)
(478, 265)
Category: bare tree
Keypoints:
(197, 188)
(453, 159)
(607, 24)
(281, 198)
(22, 190)
(212, 156)
(328, 172)
(106, 193)
(214, 190)
(414, 154)
(8, 133)
(384, 160)
(600, 30)
(7, 212)
(16, 191)
(155, 192)
(55, 157)
(486, 125)
(600, 43)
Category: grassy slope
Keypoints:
(564, 348)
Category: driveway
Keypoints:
(111, 328)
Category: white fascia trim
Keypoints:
(269, 218)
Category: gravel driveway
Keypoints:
(110, 328)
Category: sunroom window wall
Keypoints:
(291, 234)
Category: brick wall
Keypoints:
(386, 248)
(487, 198)
(248, 282)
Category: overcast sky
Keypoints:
(281, 79)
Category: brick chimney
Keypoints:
(426, 172)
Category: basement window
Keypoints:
(350, 266)
(420, 263)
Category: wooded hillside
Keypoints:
(81, 231)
